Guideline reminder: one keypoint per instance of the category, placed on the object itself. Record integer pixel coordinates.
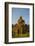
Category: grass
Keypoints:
(21, 35)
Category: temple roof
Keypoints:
(21, 19)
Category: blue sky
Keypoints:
(17, 12)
